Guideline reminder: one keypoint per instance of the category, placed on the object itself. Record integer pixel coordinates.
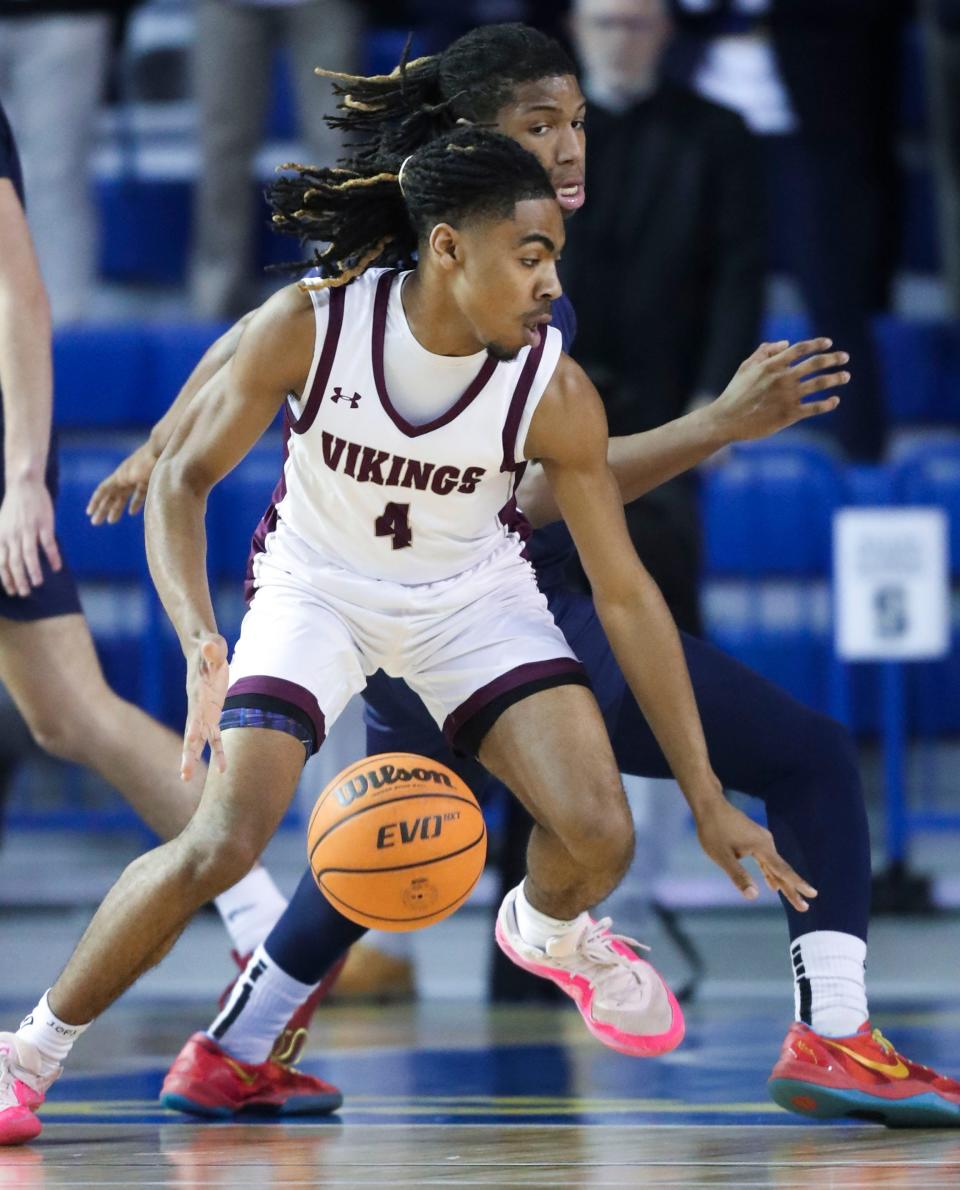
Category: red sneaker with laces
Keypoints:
(206, 1081)
(288, 1047)
(862, 1077)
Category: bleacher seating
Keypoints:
(767, 515)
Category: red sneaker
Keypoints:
(288, 1047)
(206, 1081)
(862, 1077)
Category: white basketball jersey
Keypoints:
(387, 499)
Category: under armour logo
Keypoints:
(354, 401)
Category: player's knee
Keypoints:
(61, 736)
(602, 840)
(213, 865)
(614, 846)
(829, 755)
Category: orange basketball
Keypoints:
(396, 841)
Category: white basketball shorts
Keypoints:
(467, 645)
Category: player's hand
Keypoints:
(126, 487)
(727, 835)
(26, 528)
(772, 388)
(207, 679)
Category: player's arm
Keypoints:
(26, 377)
(126, 486)
(771, 390)
(569, 434)
(221, 425)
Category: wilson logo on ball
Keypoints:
(382, 778)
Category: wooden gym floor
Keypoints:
(463, 1095)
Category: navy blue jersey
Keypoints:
(9, 158)
(550, 548)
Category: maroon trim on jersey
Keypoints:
(522, 675)
(290, 692)
(311, 407)
(268, 522)
(476, 386)
(513, 516)
(518, 403)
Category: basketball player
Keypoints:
(388, 550)
(45, 644)
(761, 741)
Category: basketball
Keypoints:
(396, 841)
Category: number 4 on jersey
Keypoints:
(394, 522)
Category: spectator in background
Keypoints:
(942, 26)
(817, 80)
(54, 61)
(234, 50)
(664, 263)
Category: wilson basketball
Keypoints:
(396, 841)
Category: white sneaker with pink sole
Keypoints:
(22, 1089)
(623, 1000)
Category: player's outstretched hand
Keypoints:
(772, 388)
(207, 680)
(126, 487)
(26, 527)
(727, 835)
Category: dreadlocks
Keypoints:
(363, 216)
(393, 114)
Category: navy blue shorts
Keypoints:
(57, 594)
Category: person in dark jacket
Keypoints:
(818, 79)
(665, 265)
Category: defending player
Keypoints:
(802, 764)
(388, 550)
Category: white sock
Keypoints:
(398, 944)
(262, 1001)
(251, 909)
(536, 928)
(828, 982)
(52, 1037)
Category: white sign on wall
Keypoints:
(891, 584)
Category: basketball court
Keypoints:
(461, 1095)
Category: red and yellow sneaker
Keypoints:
(206, 1081)
(288, 1047)
(862, 1077)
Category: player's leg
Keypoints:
(501, 678)
(51, 670)
(551, 748)
(803, 766)
(158, 892)
(148, 908)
